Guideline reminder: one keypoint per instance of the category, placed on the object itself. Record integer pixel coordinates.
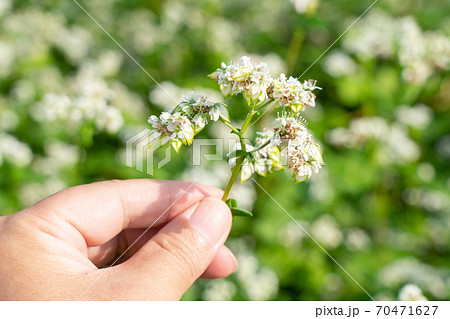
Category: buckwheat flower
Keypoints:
(373, 36)
(160, 133)
(185, 130)
(411, 292)
(418, 116)
(244, 69)
(74, 42)
(304, 158)
(247, 170)
(220, 290)
(327, 232)
(268, 158)
(252, 79)
(16, 152)
(195, 104)
(224, 77)
(338, 64)
(265, 156)
(200, 122)
(192, 100)
(189, 118)
(302, 153)
(303, 6)
(111, 120)
(290, 93)
(256, 93)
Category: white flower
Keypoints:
(292, 94)
(191, 116)
(161, 132)
(339, 64)
(302, 6)
(111, 120)
(256, 281)
(268, 158)
(418, 116)
(199, 122)
(411, 292)
(419, 53)
(394, 142)
(357, 240)
(254, 81)
(302, 153)
(15, 151)
(220, 290)
(186, 132)
(191, 100)
(247, 77)
(290, 140)
(327, 232)
(247, 170)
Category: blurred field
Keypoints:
(69, 98)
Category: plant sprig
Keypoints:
(289, 140)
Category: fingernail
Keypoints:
(212, 219)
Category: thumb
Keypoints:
(167, 265)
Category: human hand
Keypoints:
(52, 250)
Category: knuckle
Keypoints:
(184, 251)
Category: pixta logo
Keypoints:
(140, 151)
(139, 154)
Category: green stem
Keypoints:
(233, 129)
(262, 146)
(262, 106)
(248, 119)
(236, 131)
(236, 170)
(234, 174)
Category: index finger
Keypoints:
(99, 211)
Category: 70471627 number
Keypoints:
(407, 310)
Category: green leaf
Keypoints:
(231, 202)
(241, 212)
(235, 211)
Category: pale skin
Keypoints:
(58, 248)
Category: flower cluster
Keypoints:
(289, 143)
(264, 157)
(393, 142)
(186, 120)
(290, 93)
(267, 158)
(411, 292)
(289, 140)
(302, 153)
(420, 53)
(89, 99)
(254, 81)
(14, 151)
